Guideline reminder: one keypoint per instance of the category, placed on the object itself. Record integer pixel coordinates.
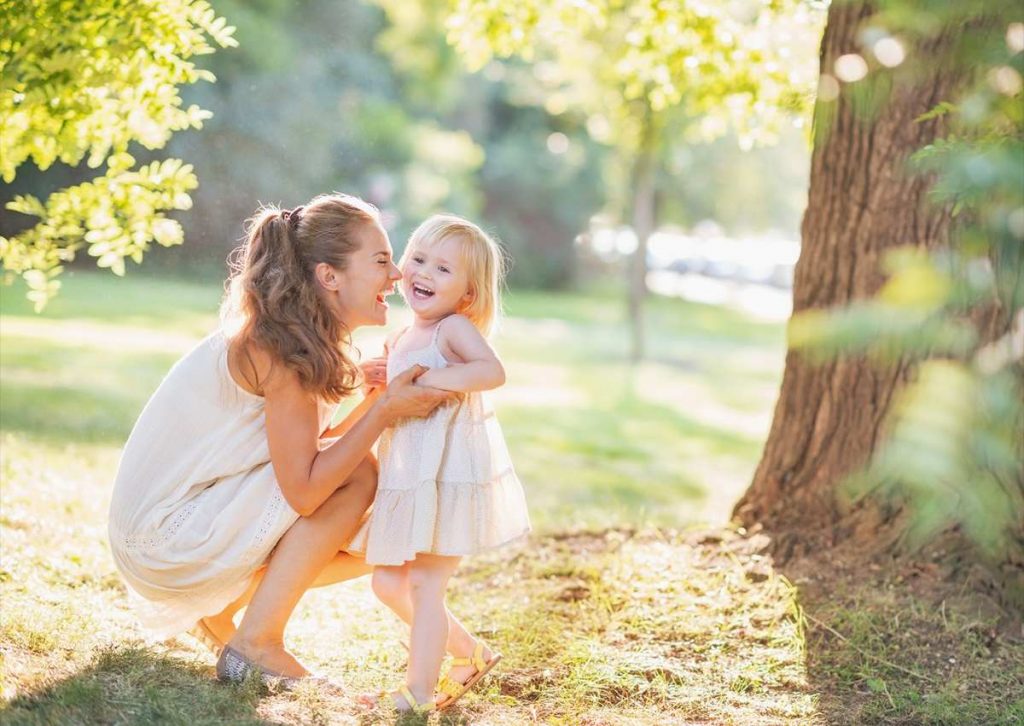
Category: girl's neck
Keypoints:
(420, 323)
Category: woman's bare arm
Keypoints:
(308, 476)
(354, 415)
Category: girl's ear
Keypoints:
(327, 276)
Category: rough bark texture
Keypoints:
(862, 202)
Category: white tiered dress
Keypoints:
(446, 485)
(196, 508)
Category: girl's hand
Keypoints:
(375, 374)
(404, 399)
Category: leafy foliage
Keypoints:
(620, 63)
(955, 451)
(84, 81)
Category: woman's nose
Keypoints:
(394, 273)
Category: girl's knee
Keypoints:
(389, 584)
(427, 582)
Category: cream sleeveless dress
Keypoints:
(196, 507)
(446, 484)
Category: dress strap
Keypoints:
(389, 347)
(437, 329)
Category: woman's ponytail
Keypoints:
(272, 299)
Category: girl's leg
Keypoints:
(306, 549)
(428, 579)
(391, 586)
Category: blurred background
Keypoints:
(353, 96)
(371, 99)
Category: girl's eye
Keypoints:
(442, 268)
(418, 260)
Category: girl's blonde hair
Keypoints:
(272, 298)
(484, 260)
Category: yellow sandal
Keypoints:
(416, 708)
(454, 690)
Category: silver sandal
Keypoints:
(233, 667)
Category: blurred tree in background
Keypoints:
(905, 365)
(647, 75)
(370, 98)
(83, 81)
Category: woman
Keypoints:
(227, 495)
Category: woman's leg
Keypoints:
(309, 547)
(428, 579)
(343, 567)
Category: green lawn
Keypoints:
(634, 624)
(596, 441)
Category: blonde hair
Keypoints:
(483, 257)
(273, 301)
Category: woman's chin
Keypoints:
(380, 314)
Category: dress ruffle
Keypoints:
(443, 518)
(446, 486)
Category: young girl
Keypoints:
(447, 487)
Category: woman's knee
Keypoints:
(362, 483)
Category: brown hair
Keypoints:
(272, 298)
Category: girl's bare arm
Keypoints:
(479, 368)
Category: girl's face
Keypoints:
(435, 281)
(359, 290)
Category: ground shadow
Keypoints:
(906, 641)
(132, 685)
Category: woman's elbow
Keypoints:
(302, 505)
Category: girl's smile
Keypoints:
(434, 280)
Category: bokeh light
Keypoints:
(889, 52)
(1005, 80)
(828, 88)
(1015, 37)
(558, 143)
(850, 67)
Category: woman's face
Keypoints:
(359, 290)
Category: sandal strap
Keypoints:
(477, 659)
(425, 707)
(449, 687)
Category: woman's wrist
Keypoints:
(380, 413)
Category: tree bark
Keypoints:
(862, 202)
(643, 213)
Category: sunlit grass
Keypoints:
(620, 626)
(596, 441)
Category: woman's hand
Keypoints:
(404, 399)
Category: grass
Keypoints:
(618, 611)
(602, 436)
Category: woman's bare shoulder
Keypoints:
(256, 369)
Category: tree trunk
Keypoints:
(862, 202)
(643, 213)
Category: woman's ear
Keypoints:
(327, 276)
